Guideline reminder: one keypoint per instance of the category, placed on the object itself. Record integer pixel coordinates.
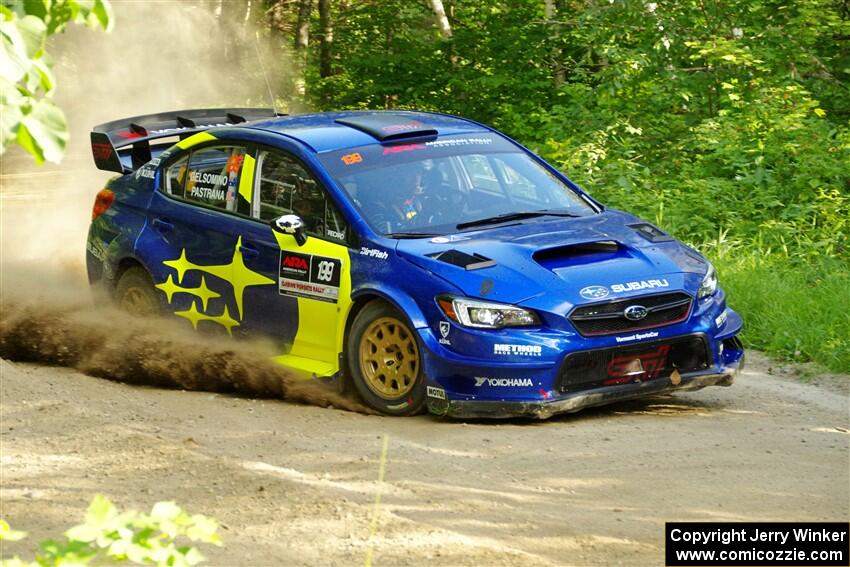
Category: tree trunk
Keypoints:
(302, 28)
(325, 51)
(550, 12)
(442, 19)
(232, 22)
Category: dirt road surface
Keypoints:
(296, 485)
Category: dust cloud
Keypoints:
(160, 56)
(107, 343)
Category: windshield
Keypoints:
(449, 184)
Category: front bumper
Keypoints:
(491, 388)
(576, 401)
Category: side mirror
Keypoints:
(290, 224)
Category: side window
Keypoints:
(286, 187)
(517, 185)
(480, 173)
(211, 177)
(175, 177)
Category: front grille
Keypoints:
(633, 363)
(609, 318)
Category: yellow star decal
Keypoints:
(202, 291)
(226, 321)
(243, 277)
(183, 265)
(194, 316)
(237, 274)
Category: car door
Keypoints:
(313, 280)
(192, 244)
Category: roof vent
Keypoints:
(389, 127)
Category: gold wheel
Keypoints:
(389, 358)
(136, 302)
(135, 293)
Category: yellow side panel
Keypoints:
(321, 324)
(195, 139)
(246, 182)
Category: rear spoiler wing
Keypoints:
(113, 142)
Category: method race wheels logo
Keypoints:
(594, 292)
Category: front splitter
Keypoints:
(575, 401)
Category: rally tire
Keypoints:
(385, 361)
(135, 293)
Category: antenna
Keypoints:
(263, 69)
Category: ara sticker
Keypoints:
(403, 148)
(309, 276)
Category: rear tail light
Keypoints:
(102, 202)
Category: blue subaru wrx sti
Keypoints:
(426, 259)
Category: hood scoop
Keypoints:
(463, 260)
(580, 254)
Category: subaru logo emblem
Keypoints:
(594, 292)
(635, 312)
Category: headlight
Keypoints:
(486, 315)
(709, 283)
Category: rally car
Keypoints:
(425, 259)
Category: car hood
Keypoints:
(553, 259)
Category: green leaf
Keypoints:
(33, 32)
(103, 12)
(46, 80)
(8, 534)
(203, 529)
(83, 532)
(101, 510)
(165, 511)
(37, 8)
(14, 61)
(28, 143)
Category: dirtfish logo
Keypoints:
(374, 253)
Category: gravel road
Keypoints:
(296, 484)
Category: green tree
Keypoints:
(28, 115)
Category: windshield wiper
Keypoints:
(412, 234)
(506, 217)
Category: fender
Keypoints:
(398, 299)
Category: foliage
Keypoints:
(110, 537)
(796, 311)
(28, 116)
(705, 117)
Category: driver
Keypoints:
(398, 203)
